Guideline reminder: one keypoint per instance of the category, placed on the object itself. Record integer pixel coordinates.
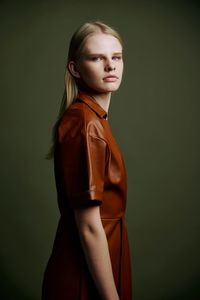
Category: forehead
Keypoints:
(100, 43)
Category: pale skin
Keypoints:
(101, 57)
(100, 70)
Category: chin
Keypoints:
(113, 89)
(109, 89)
(106, 91)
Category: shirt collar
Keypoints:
(92, 104)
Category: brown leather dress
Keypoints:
(89, 170)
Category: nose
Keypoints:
(109, 66)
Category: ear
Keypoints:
(73, 69)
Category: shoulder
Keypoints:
(79, 120)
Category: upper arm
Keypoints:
(83, 165)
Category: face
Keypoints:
(100, 65)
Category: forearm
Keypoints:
(95, 246)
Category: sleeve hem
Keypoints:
(88, 198)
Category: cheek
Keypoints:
(121, 69)
(89, 73)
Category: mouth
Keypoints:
(110, 78)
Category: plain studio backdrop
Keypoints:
(154, 116)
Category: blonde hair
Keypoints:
(75, 48)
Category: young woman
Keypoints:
(90, 258)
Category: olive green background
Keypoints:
(155, 118)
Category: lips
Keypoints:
(110, 78)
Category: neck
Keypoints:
(103, 100)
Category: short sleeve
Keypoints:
(83, 160)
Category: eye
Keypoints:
(117, 57)
(96, 58)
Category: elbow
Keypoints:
(90, 235)
(89, 222)
(88, 229)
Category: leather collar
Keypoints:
(92, 104)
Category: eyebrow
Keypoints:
(101, 54)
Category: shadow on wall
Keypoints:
(9, 290)
(188, 292)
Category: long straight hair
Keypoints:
(75, 49)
